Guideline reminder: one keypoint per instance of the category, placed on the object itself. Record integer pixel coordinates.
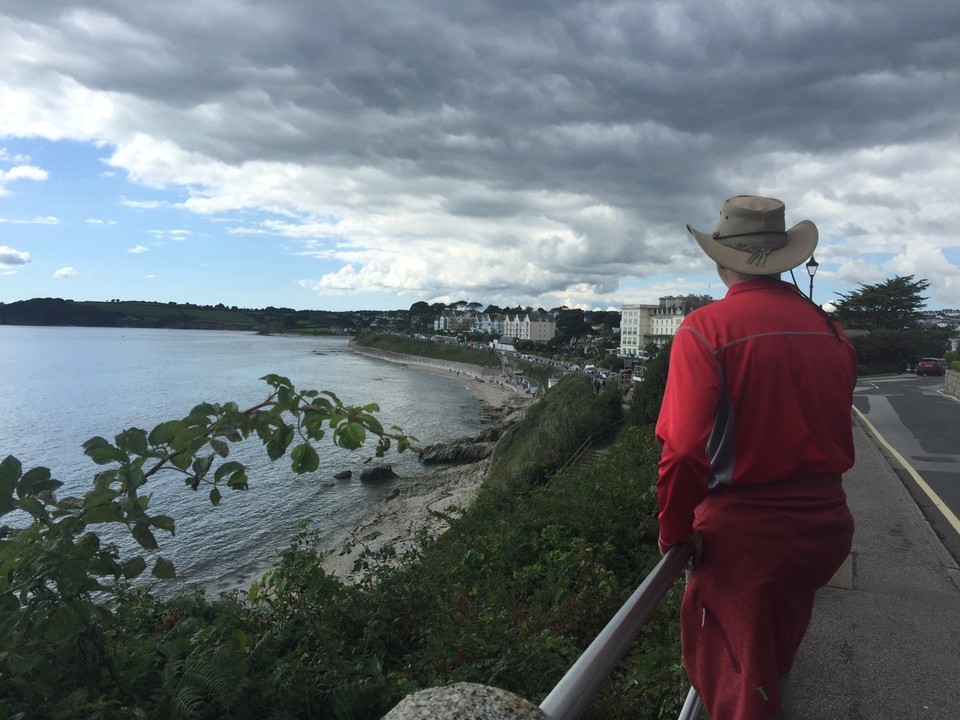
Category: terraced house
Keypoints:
(532, 326)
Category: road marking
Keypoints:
(921, 483)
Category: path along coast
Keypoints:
(424, 502)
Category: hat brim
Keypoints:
(801, 242)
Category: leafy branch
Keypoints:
(59, 558)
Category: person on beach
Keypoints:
(756, 431)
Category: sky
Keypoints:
(356, 155)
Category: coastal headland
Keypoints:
(425, 502)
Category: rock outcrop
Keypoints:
(377, 473)
(470, 449)
(465, 450)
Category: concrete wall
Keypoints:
(952, 381)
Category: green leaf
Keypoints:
(101, 513)
(142, 534)
(164, 522)
(36, 481)
(181, 461)
(164, 432)
(189, 438)
(284, 397)
(62, 624)
(132, 441)
(134, 567)
(131, 478)
(279, 441)
(313, 424)
(372, 424)
(215, 497)
(220, 447)
(10, 471)
(350, 435)
(238, 481)
(102, 452)
(304, 459)
(9, 602)
(202, 464)
(164, 569)
(335, 399)
(277, 381)
(203, 410)
(226, 469)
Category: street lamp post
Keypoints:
(812, 266)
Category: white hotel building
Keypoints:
(641, 325)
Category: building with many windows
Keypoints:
(535, 327)
(634, 329)
(641, 325)
(532, 326)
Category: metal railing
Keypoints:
(580, 686)
(587, 444)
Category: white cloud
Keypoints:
(23, 172)
(19, 173)
(143, 204)
(65, 272)
(12, 259)
(49, 220)
(177, 234)
(138, 249)
(13, 158)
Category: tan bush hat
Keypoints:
(751, 237)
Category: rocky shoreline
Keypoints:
(428, 502)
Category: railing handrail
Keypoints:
(589, 443)
(578, 688)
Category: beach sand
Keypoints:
(427, 502)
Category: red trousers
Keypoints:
(766, 551)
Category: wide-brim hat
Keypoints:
(751, 237)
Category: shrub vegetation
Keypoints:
(448, 352)
(509, 596)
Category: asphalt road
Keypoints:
(919, 422)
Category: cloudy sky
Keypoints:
(364, 155)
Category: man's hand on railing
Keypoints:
(695, 539)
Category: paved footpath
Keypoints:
(884, 642)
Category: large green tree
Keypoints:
(891, 314)
(893, 304)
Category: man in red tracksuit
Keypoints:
(756, 431)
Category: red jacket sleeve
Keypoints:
(694, 385)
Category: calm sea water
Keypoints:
(61, 386)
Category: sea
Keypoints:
(60, 386)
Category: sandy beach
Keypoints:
(429, 501)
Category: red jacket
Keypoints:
(759, 390)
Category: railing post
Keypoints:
(578, 688)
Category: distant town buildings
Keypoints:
(533, 326)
